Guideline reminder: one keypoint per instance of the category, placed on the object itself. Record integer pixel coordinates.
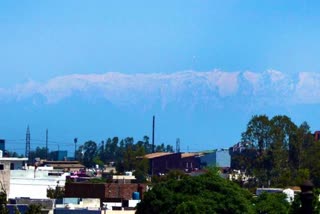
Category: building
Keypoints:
(220, 158)
(316, 135)
(125, 179)
(63, 165)
(104, 191)
(23, 204)
(162, 162)
(59, 155)
(190, 161)
(7, 166)
(34, 182)
(2, 145)
(240, 147)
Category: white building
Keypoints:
(33, 183)
(7, 165)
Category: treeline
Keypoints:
(121, 153)
(278, 153)
(210, 193)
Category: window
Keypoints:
(1, 167)
(11, 166)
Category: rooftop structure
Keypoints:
(64, 165)
(7, 166)
(34, 182)
(162, 162)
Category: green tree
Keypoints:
(147, 145)
(101, 152)
(55, 193)
(129, 156)
(3, 202)
(272, 203)
(311, 162)
(258, 136)
(169, 148)
(39, 152)
(208, 193)
(277, 155)
(282, 131)
(16, 210)
(141, 167)
(34, 209)
(89, 153)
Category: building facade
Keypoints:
(162, 162)
(6, 166)
(220, 158)
(2, 145)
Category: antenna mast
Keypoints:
(178, 145)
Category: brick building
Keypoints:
(190, 161)
(163, 162)
(316, 135)
(104, 191)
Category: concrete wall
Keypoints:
(5, 177)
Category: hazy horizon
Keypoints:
(100, 69)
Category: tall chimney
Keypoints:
(153, 125)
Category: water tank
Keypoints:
(136, 196)
(128, 173)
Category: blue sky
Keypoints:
(98, 69)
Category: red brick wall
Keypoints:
(103, 191)
(84, 190)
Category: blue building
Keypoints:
(2, 145)
(59, 155)
(219, 158)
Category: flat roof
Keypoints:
(67, 165)
(13, 159)
(123, 177)
(60, 162)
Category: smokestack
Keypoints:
(153, 121)
(47, 144)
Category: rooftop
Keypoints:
(187, 155)
(157, 154)
(12, 159)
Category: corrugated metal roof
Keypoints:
(157, 154)
(187, 155)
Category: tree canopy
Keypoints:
(279, 152)
(207, 193)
